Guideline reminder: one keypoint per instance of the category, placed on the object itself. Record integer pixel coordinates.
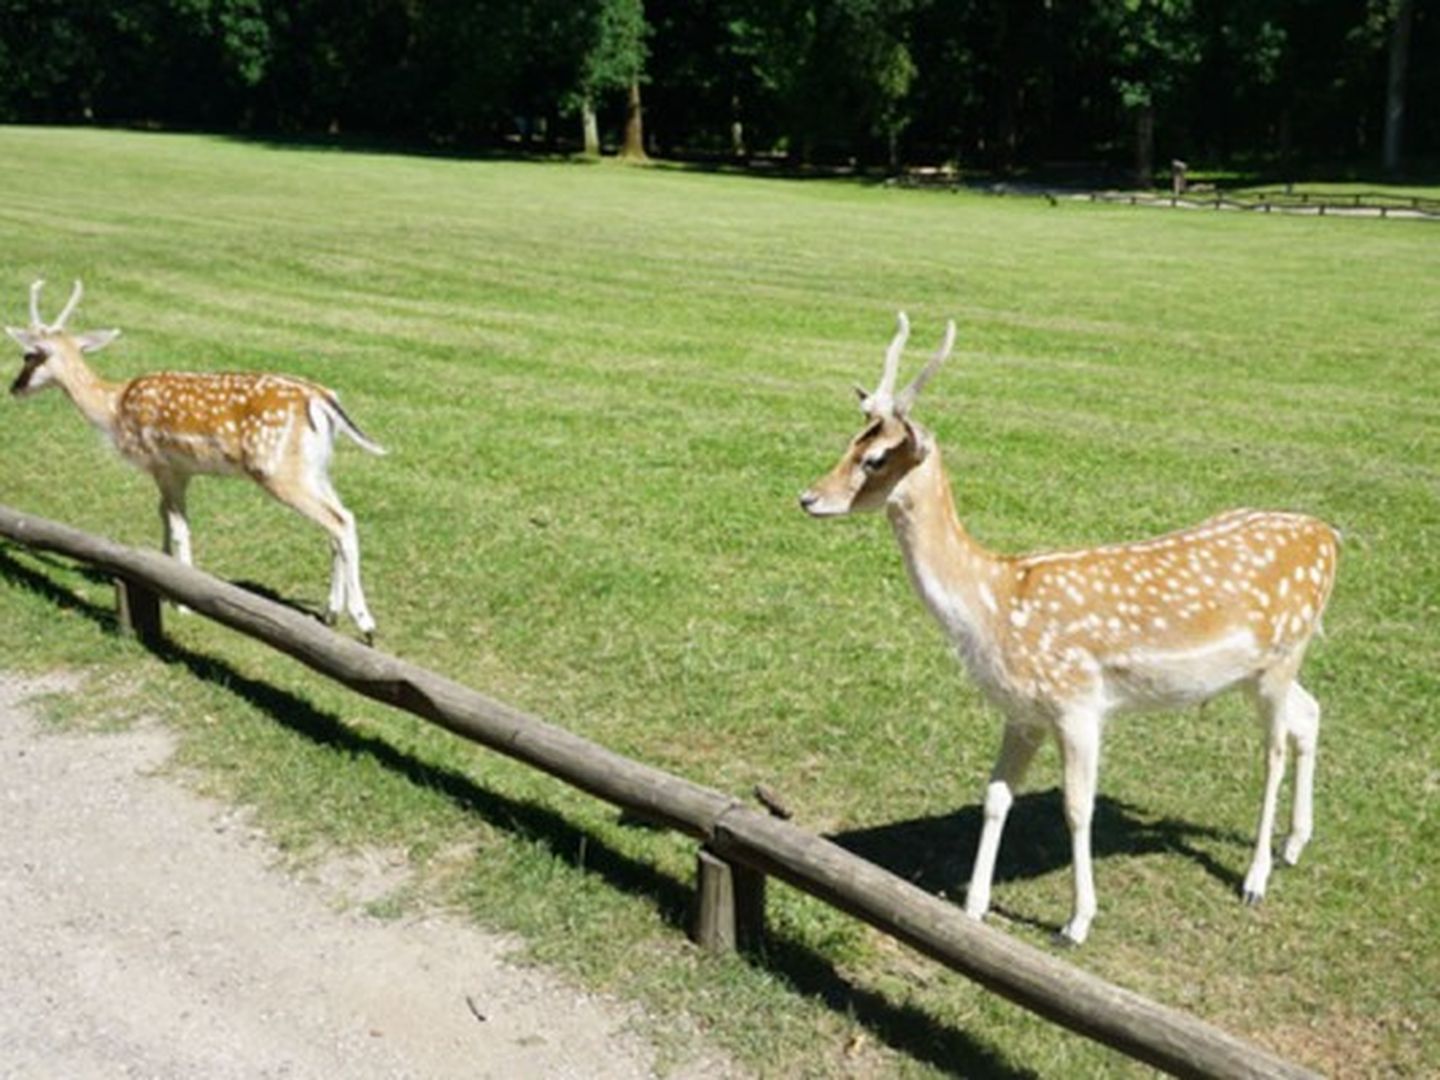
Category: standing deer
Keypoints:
(275, 429)
(1062, 639)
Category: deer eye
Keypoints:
(874, 461)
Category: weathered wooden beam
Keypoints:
(1163, 1037)
(729, 905)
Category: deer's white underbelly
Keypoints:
(1173, 678)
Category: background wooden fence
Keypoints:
(1341, 204)
(1284, 200)
(740, 845)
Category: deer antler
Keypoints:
(36, 323)
(910, 393)
(69, 307)
(884, 396)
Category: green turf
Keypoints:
(603, 388)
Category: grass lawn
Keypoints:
(602, 389)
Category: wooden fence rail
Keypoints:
(754, 843)
(1273, 202)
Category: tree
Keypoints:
(49, 63)
(613, 52)
(1404, 17)
(881, 67)
(1155, 46)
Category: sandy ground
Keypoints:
(145, 931)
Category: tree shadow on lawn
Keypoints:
(905, 1028)
(936, 853)
(755, 166)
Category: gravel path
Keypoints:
(145, 931)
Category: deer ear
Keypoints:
(917, 436)
(95, 340)
(24, 338)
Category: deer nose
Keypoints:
(808, 499)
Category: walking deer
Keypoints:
(276, 429)
(1062, 639)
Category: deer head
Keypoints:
(48, 347)
(888, 446)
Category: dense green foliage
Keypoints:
(603, 389)
(984, 83)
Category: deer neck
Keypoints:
(958, 579)
(95, 397)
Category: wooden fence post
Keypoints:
(137, 610)
(729, 905)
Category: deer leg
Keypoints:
(1017, 750)
(304, 485)
(1302, 722)
(354, 593)
(318, 503)
(1079, 738)
(347, 563)
(324, 507)
(172, 515)
(337, 583)
(1271, 704)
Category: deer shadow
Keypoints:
(906, 1028)
(936, 853)
(313, 611)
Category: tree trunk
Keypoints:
(1395, 84)
(737, 128)
(633, 148)
(1284, 139)
(592, 127)
(1145, 146)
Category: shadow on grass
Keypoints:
(267, 593)
(32, 581)
(760, 166)
(39, 584)
(1081, 176)
(936, 852)
(905, 1028)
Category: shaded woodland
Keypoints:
(993, 85)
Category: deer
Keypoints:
(279, 430)
(1060, 640)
